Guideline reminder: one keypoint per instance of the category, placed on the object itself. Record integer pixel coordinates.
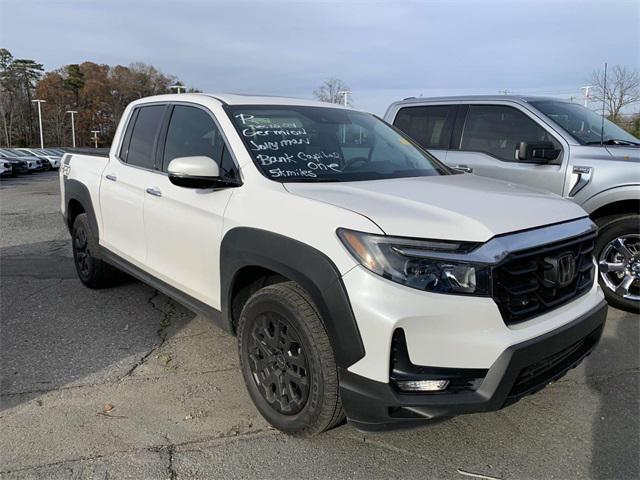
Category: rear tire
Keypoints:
(92, 271)
(618, 247)
(287, 361)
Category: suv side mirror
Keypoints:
(198, 172)
(538, 152)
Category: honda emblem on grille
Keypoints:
(561, 270)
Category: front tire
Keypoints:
(618, 256)
(287, 361)
(92, 271)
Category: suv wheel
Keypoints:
(92, 271)
(287, 361)
(618, 254)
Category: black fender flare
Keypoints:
(310, 268)
(75, 190)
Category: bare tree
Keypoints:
(332, 91)
(622, 89)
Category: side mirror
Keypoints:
(538, 152)
(197, 172)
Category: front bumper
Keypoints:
(522, 369)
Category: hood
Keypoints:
(625, 154)
(449, 207)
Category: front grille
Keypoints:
(538, 374)
(521, 285)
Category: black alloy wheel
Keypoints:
(92, 271)
(278, 363)
(82, 253)
(287, 361)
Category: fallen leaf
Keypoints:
(165, 358)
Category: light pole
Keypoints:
(345, 96)
(177, 88)
(586, 94)
(95, 136)
(40, 120)
(73, 126)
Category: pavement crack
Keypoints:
(171, 452)
(172, 472)
(172, 448)
(165, 323)
(139, 378)
(389, 447)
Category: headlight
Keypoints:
(420, 264)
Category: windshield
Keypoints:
(583, 124)
(20, 153)
(297, 144)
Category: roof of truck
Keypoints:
(242, 99)
(471, 98)
(247, 99)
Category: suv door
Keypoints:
(122, 185)
(430, 126)
(183, 226)
(489, 142)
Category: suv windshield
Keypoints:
(20, 153)
(583, 124)
(316, 144)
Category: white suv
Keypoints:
(362, 276)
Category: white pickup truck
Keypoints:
(362, 277)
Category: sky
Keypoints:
(383, 50)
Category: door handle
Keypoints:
(113, 178)
(464, 168)
(154, 191)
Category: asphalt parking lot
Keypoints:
(125, 383)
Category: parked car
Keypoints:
(58, 151)
(31, 164)
(6, 169)
(369, 280)
(549, 144)
(43, 162)
(53, 158)
(39, 164)
(20, 167)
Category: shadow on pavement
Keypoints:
(616, 427)
(56, 333)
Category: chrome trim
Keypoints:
(584, 177)
(464, 168)
(498, 248)
(155, 191)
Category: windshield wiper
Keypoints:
(614, 141)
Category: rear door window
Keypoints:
(141, 147)
(429, 126)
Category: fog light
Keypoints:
(422, 385)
